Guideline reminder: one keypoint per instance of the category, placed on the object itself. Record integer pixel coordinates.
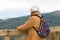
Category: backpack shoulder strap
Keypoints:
(37, 16)
(35, 29)
(40, 23)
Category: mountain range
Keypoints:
(53, 19)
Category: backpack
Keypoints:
(43, 30)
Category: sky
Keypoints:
(13, 8)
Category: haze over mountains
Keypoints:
(11, 13)
(11, 23)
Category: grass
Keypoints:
(54, 36)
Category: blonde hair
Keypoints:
(35, 8)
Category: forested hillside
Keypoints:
(53, 19)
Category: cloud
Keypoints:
(44, 5)
(11, 13)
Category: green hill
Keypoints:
(52, 17)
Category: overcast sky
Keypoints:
(44, 5)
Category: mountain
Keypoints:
(12, 23)
(53, 19)
(1, 20)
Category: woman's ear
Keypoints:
(31, 10)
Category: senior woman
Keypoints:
(33, 21)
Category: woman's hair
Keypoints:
(35, 8)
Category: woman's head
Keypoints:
(34, 10)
